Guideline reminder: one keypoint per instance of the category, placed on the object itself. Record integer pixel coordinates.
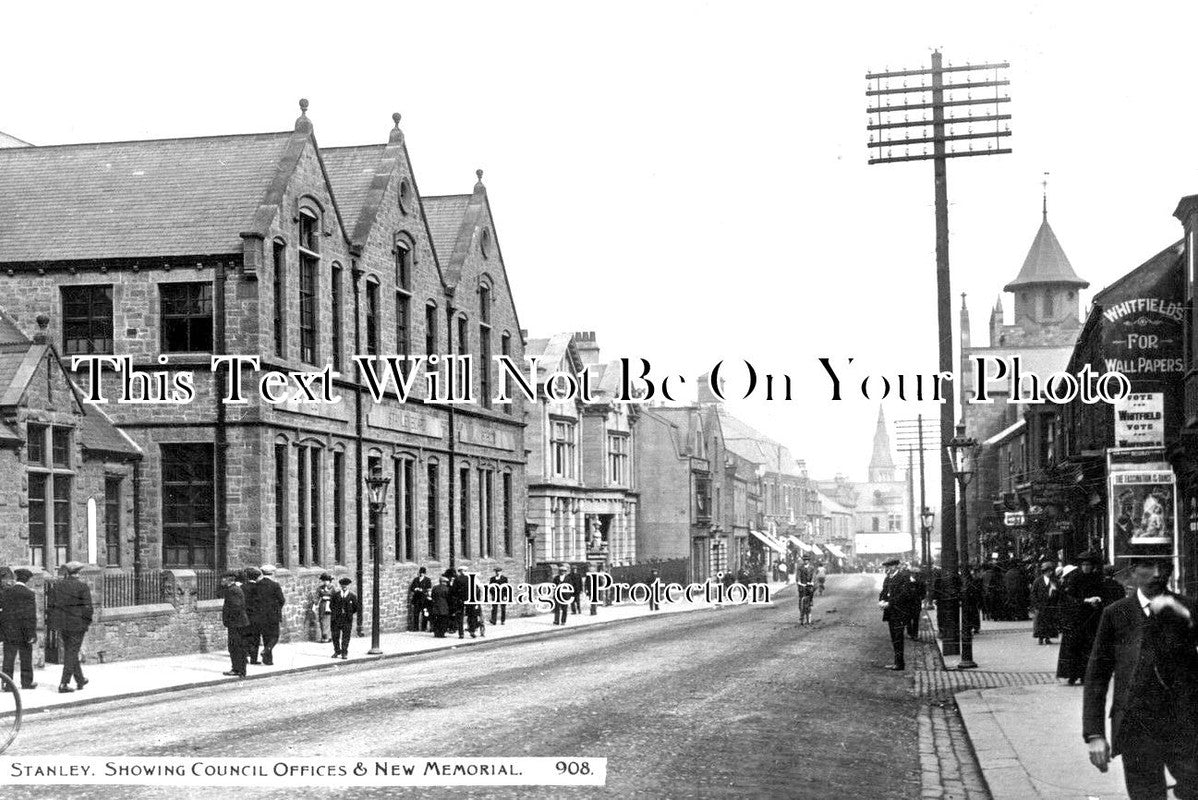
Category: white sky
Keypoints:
(687, 179)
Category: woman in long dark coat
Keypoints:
(1081, 608)
(1046, 602)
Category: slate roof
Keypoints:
(351, 171)
(753, 445)
(1151, 277)
(1046, 262)
(445, 215)
(7, 140)
(165, 197)
(99, 435)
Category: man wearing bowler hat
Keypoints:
(896, 605)
(498, 610)
(236, 622)
(71, 617)
(18, 624)
(1146, 641)
(268, 615)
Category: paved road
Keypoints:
(731, 702)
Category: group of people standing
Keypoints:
(70, 610)
(446, 606)
(252, 614)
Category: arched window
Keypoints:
(309, 270)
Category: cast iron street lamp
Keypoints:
(956, 447)
(376, 487)
(926, 517)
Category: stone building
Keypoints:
(160, 255)
(582, 489)
(1047, 322)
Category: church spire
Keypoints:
(1044, 183)
(881, 463)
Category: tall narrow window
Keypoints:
(507, 513)
(338, 506)
(372, 318)
(301, 505)
(434, 510)
(186, 311)
(37, 519)
(281, 504)
(617, 459)
(336, 275)
(188, 506)
(112, 521)
(486, 544)
(409, 508)
(309, 266)
(405, 507)
(484, 365)
(463, 372)
(86, 319)
(280, 281)
(430, 330)
(403, 334)
(505, 350)
(314, 502)
(464, 509)
(403, 267)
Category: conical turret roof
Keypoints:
(1046, 263)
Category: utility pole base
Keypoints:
(967, 665)
(374, 651)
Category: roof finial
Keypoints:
(302, 123)
(962, 299)
(396, 134)
(1044, 183)
(479, 186)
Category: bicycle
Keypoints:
(9, 710)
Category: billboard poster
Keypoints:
(1143, 511)
(1140, 420)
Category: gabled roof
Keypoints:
(447, 225)
(1046, 263)
(753, 445)
(162, 197)
(351, 171)
(1157, 275)
(7, 140)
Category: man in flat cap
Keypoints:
(344, 605)
(1146, 641)
(896, 604)
(71, 616)
(18, 625)
(499, 610)
(236, 622)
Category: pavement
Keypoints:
(139, 677)
(1024, 724)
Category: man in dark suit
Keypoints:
(267, 615)
(498, 610)
(1147, 642)
(71, 617)
(459, 590)
(574, 578)
(250, 577)
(344, 605)
(895, 602)
(560, 610)
(18, 625)
(236, 622)
(654, 581)
(438, 607)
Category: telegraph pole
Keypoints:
(915, 436)
(930, 96)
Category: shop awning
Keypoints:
(769, 542)
(834, 550)
(803, 546)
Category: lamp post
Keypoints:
(926, 517)
(376, 488)
(956, 452)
